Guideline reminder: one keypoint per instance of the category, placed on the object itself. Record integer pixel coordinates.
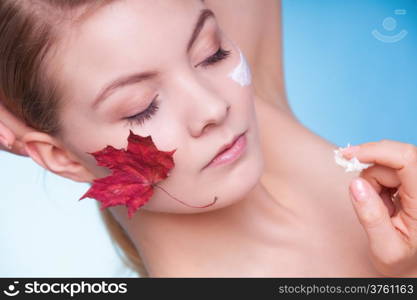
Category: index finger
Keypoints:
(399, 156)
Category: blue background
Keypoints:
(342, 83)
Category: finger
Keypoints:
(13, 123)
(384, 180)
(386, 196)
(7, 137)
(8, 141)
(11, 131)
(380, 176)
(384, 240)
(401, 157)
(19, 148)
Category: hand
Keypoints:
(7, 137)
(385, 200)
(11, 129)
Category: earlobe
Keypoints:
(46, 151)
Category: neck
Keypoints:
(164, 239)
(258, 222)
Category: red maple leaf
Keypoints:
(135, 172)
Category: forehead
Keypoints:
(124, 34)
(141, 23)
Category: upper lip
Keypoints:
(226, 146)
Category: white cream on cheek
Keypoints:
(241, 74)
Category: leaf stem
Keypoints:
(214, 201)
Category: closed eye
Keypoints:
(220, 55)
(147, 114)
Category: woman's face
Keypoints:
(200, 107)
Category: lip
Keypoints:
(229, 152)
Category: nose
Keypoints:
(204, 107)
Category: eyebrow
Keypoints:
(143, 76)
(204, 15)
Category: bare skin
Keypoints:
(298, 221)
(261, 52)
(262, 41)
(11, 131)
(311, 229)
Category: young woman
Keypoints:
(82, 73)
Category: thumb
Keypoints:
(385, 242)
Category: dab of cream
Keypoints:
(241, 74)
(352, 165)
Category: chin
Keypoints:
(230, 188)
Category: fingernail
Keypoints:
(360, 190)
(4, 142)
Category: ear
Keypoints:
(51, 155)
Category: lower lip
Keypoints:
(230, 154)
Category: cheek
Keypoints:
(88, 161)
(237, 83)
(241, 74)
(90, 139)
(235, 79)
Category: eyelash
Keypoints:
(216, 57)
(147, 114)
